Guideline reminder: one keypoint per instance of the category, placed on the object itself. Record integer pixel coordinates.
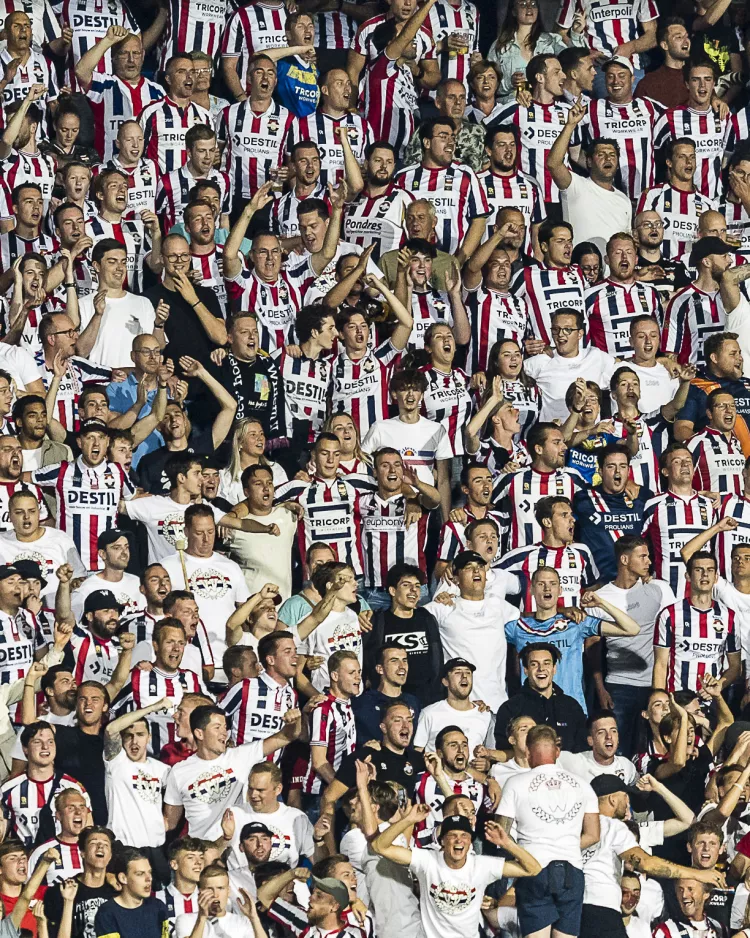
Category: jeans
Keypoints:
(627, 703)
(381, 598)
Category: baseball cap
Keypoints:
(466, 557)
(30, 570)
(335, 888)
(609, 785)
(456, 663)
(254, 827)
(109, 537)
(92, 426)
(705, 247)
(619, 60)
(455, 822)
(8, 570)
(101, 599)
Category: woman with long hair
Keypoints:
(505, 361)
(588, 257)
(248, 449)
(521, 37)
(353, 460)
(484, 83)
(447, 399)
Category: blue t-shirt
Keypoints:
(695, 405)
(297, 85)
(149, 920)
(122, 395)
(582, 456)
(567, 636)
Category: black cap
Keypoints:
(101, 599)
(109, 537)
(30, 570)
(92, 426)
(455, 822)
(466, 557)
(456, 663)
(254, 827)
(704, 247)
(609, 785)
(8, 570)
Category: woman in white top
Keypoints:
(248, 448)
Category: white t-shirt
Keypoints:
(555, 375)
(502, 771)
(586, 767)
(291, 834)
(230, 925)
(499, 584)
(434, 717)
(548, 804)
(595, 213)
(20, 365)
(638, 927)
(339, 631)
(231, 489)
(739, 321)
(219, 587)
(657, 388)
(50, 551)
(391, 890)
(451, 900)
(207, 787)
(127, 593)
(354, 847)
(420, 444)
(266, 558)
(602, 866)
(124, 318)
(164, 520)
(134, 795)
(476, 631)
(630, 660)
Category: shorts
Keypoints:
(553, 897)
(597, 921)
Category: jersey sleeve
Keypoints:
(48, 475)
(664, 628)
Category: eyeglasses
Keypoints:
(148, 352)
(68, 332)
(564, 330)
(651, 225)
(174, 258)
(202, 71)
(527, 4)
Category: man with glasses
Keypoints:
(664, 274)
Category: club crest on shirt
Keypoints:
(212, 787)
(210, 584)
(146, 786)
(452, 898)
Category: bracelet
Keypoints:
(193, 305)
(68, 285)
(319, 840)
(737, 785)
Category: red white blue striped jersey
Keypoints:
(79, 373)
(255, 708)
(609, 23)
(87, 498)
(669, 522)
(194, 25)
(611, 306)
(13, 246)
(143, 183)
(453, 533)
(698, 640)
(176, 902)
(426, 791)
(519, 191)
(6, 490)
(173, 193)
(690, 318)
(132, 235)
(20, 636)
(275, 305)
(495, 457)
(70, 865)
(738, 223)
(547, 289)
(332, 725)
(446, 18)
(653, 435)
(307, 387)
(90, 20)
(284, 221)
(44, 24)
(334, 30)
(360, 388)
(574, 563)
(23, 800)
(387, 541)
(680, 212)
(456, 195)
(254, 144)
(428, 307)
(493, 316)
(719, 462)
(737, 507)
(252, 28)
(632, 126)
(539, 125)
(211, 270)
(320, 128)
(114, 101)
(377, 220)
(37, 71)
(20, 167)
(164, 126)
(516, 496)
(294, 920)
(709, 132)
(331, 516)
(447, 401)
(526, 398)
(93, 658)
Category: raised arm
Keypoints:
(322, 258)
(13, 128)
(683, 815)
(340, 290)
(678, 749)
(472, 272)
(352, 169)
(228, 404)
(86, 65)
(623, 624)
(404, 318)
(523, 863)
(729, 286)
(643, 862)
(556, 159)
(112, 738)
(472, 433)
(233, 258)
(384, 844)
(401, 42)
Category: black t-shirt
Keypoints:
(183, 329)
(391, 766)
(82, 756)
(675, 276)
(149, 920)
(150, 470)
(85, 906)
(420, 639)
(689, 784)
(258, 389)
